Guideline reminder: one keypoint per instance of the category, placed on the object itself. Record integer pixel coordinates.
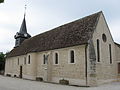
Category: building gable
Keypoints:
(102, 27)
(103, 35)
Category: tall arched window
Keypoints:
(44, 59)
(56, 58)
(98, 51)
(72, 56)
(110, 52)
(29, 59)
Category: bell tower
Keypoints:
(22, 34)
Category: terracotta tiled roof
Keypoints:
(71, 34)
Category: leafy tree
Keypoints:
(2, 56)
(2, 61)
(1, 1)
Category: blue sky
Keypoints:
(44, 15)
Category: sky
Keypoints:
(44, 15)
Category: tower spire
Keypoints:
(22, 34)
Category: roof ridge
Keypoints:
(67, 23)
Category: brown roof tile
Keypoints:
(71, 34)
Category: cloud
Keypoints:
(115, 30)
(6, 42)
(44, 15)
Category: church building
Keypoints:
(81, 53)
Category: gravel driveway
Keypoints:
(8, 83)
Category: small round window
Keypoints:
(104, 37)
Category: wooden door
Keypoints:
(45, 74)
(20, 71)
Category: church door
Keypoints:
(45, 74)
(20, 71)
(46, 69)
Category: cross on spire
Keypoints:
(25, 10)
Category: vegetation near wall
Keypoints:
(1, 1)
(2, 62)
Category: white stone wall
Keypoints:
(117, 52)
(72, 72)
(105, 70)
(28, 70)
(50, 72)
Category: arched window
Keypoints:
(44, 59)
(110, 52)
(72, 56)
(98, 51)
(56, 58)
(29, 59)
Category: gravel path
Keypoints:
(8, 83)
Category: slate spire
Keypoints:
(22, 34)
(23, 28)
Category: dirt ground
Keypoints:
(8, 83)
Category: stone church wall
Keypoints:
(117, 52)
(28, 70)
(50, 72)
(75, 73)
(105, 71)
